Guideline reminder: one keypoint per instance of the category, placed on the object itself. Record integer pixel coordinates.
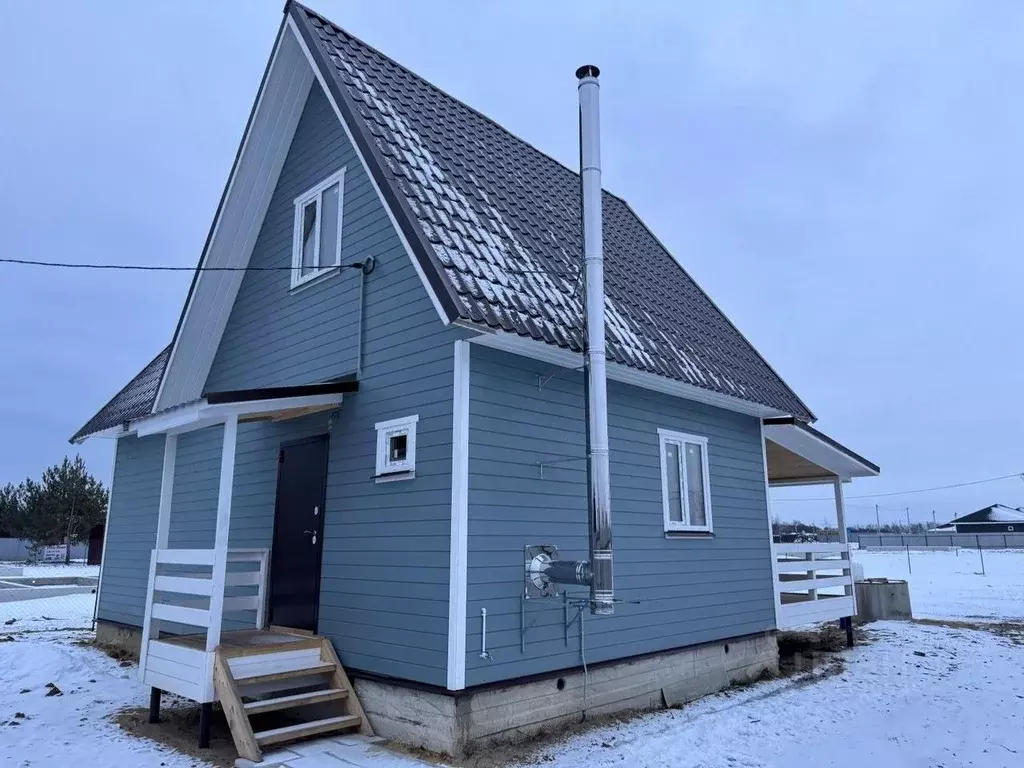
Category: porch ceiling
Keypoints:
(798, 454)
(785, 466)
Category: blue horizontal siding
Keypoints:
(384, 585)
(276, 337)
(680, 591)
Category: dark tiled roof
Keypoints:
(997, 513)
(135, 400)
(502, 220)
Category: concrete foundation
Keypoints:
(119, 636)
(880, 599)
(461, 724)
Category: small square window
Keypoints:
(316, 248)
(396, 449)
(685, 482)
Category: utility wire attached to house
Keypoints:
(171, 268)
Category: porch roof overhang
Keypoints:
(798, 454)
(266, 404)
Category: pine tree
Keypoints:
(63, 506)
(10, 511)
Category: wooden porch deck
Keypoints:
(246, 642)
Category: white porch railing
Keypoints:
(188, 594)
(813, 583)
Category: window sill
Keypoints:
(315, 279)
(689, 534)
(390, 477)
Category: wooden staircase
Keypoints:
(275, 678)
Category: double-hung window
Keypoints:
(685, 482)
(316, 244)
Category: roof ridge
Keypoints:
(447, 95)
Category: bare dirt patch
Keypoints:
(179, 729)
(1011, 630)
(120, 655)
(814, 654)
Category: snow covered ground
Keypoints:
(59, 569)
(65, 612)
(916, 696)
(41, 730)
(947, 585)
(47, 613)
(960, 704)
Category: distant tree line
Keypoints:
(61, 507)
(891, 528)
(795, 527)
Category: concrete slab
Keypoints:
(347, 751)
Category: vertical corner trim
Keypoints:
(106, 531)
(460, 520)
(776, 597)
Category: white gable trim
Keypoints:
(373, 181)
(548, 353)
(265, 145)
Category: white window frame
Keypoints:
(396, 470)
(681, 439)
(310, 195)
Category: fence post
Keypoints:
(981, 554)
(909, 568)
(1004, 542)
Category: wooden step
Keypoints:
(321, 668)
(296, 700)
(302, 730)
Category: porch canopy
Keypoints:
(268, 404)
(813, 581)
(197, 598)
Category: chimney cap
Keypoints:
(587, 70)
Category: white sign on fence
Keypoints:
(53, 554)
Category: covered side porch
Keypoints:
(206, 630)
(813, 581)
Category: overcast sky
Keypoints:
(844, 180)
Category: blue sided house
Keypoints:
(358, 477)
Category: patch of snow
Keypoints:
(957, 705)
(74, 727)
(47, 613)
(59, 569)
(950, 584)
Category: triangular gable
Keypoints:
(269, 132)
(489, 223)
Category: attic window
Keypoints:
(396, 449)
(685, 482)
(316, 243)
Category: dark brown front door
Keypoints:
(298, 534)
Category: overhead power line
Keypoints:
(554, 271)
(1019, 475)
(137, 267)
